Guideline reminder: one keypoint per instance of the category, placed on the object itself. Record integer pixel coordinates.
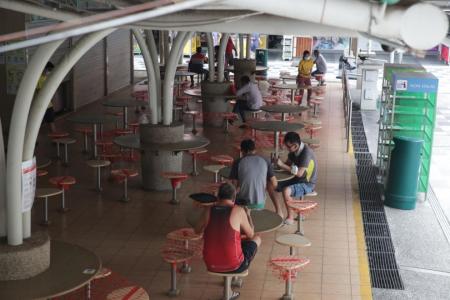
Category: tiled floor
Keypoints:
(128, 236)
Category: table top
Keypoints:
(184, 73)
(198, 93)
(292, 86)
(93, 119)
(284, 108)
(124, 103)
(43, 163)
(189, 142)
(288, 77)
(276, 126)
(71, 267)
(258, 68)
(281, 175)
(203, 198)
(293, 240)
(47, 192)
(265, 220)
(193, 92)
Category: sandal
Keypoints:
(288, 222)
(235, 295)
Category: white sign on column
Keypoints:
(28, 183)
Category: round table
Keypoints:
(124, 103)
(71, 267)
(93, 119)
(293, 87)
(257, 69)
(284, 109)
(281, 175)
(288, 77)
(264, 220)
(189, 142)
(276, 127)
(198, 93)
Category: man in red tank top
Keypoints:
(222, 226)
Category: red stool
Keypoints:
(134, 126)
(118, 115)
(122, 175)
(316, 103)
(227, 117)
(270, 101)
(105, 145)
(175, 179)
(222, 159)
(174, 254)
(185, 101)
(64, 183)
(184, 235)
(120, 132)
(85, 131)
(319, 78)
(57, 135)
(312, 130)
(302, 208)
(195, 153)
(287, 268)
(298, 99)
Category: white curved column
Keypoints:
(169, 74)
(2, 184)
(149, 66)
(210, 40)
(16, 141)
(247, 49)
(241, 45)
(51, 85)
(154, 55)
(221, 57)
(166, 41)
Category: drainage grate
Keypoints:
(374, 217)
(377, 230)
(379, 244)
(382, 260)
(372, 206)
(383, 266)
(386, 279)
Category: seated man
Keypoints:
(248, 97)
(302, 163)
(251, 174)
(222, 226)
(196, 64)
(321, 65)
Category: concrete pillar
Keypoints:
(400, 57)
(243, 67)
(2, 184)
(167, 44)
(154, 162)
(214, 102)
(161, 47)
(392, 57)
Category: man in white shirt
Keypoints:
(321, 65)
(248, 97)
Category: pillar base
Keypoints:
(153, 163)
(26, 260)
(214, 102)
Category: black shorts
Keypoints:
(249, 249)
(49, 116)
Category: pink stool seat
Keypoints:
(222, 159)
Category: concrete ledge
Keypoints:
(26, 260)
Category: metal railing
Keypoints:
(347, 101)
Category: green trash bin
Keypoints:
(404, 168)
(262, 57)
